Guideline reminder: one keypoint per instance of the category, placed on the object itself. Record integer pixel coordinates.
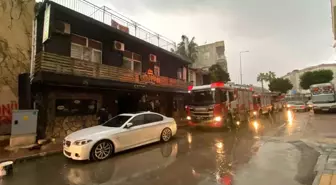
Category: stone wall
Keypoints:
(16, 18)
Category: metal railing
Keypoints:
(106, 15)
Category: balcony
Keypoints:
(49, 62)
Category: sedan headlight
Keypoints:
(82, 142)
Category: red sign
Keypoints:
(120, 27)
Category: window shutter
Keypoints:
(97, 56)
(87, 53)
(76, 51)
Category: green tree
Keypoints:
(187, 48)
(217, 74)
(315, 77)
(280, 85)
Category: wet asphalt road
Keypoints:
(270, 153)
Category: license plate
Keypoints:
(325, 109)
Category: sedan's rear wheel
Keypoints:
(102, 150)
(166, 134)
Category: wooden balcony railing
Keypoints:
(50, 62)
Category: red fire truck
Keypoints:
(219, 104)
(262, 103)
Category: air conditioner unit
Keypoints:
(119, 46)
(62, 27)
(152, 58)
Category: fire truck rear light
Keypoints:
(190, 87)
(217, 84)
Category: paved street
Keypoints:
(273, 153)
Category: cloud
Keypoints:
(281, 35)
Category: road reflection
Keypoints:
(193, 157)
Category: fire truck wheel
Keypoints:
(229, 121)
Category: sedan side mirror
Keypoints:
(129, 125)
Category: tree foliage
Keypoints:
(280, 85)
(187, 48)
(265, 77)
(315, 77)
(217, 73)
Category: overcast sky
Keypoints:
(281, 35)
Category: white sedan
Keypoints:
(122, 132)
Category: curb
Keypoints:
(33, 156)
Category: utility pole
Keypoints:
(240, 68)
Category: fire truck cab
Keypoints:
(219, 104)
(262, 103)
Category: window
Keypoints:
(231, 96)
(86, 49)
(220, 52)
(179, 73)
(127, 63)
(132, 61)
(117, 121)
(156, 70)
(138, 120)
(151, 118)
(223, 96)
(206, 55)
(137, 66)
(66, 107)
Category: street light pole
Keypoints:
(240, 68)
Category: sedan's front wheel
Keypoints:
(102, 150)
(166, 135)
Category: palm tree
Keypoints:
(262, 77)
(187, 49)
(271, 75)
(265, 77)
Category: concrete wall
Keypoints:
(209, 55)
(16, 17)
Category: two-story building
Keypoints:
(88, 59)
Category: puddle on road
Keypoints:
(278, 164)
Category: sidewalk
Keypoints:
(21, 154)
(326, 165)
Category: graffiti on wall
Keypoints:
(16, 17)
(6, 112)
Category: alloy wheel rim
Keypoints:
(166, 134)
(103, 150)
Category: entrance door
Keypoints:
(128, 102)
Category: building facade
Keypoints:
(83, 64)
(294, 76)
(210, 54)
(16, 19)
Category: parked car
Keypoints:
(120, 133)
(297, 106)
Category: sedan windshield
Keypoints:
(117, 121)
(203, 97)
